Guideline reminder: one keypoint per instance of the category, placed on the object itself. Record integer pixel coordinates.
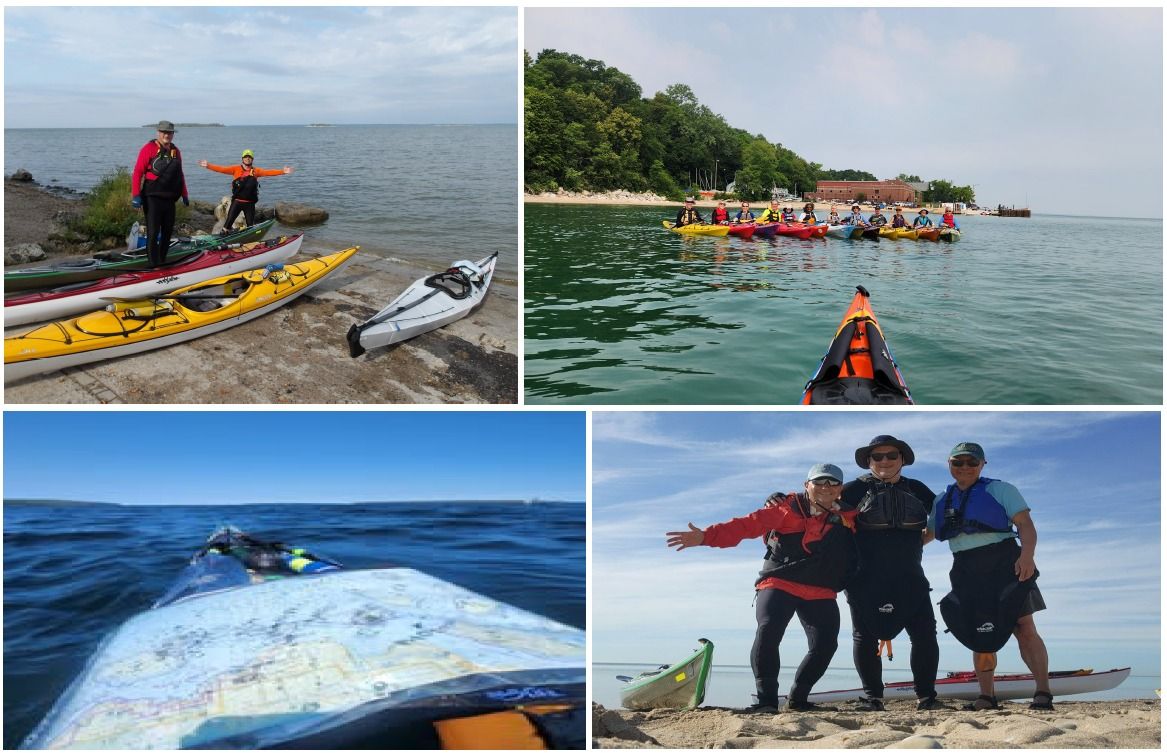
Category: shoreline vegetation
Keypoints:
(587, 128)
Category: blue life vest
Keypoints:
(745, 216)
(972, 510)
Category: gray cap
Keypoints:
(825, 470)
(968, 448)
(165, 125)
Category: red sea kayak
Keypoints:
(743, 230)
(217, 261)
(798, 231)
(928, 234)
(858, 368)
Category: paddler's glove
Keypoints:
(136, 202)
(185, 201)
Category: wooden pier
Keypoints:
(1011, 212)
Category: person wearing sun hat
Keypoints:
(890, 592)
(922, 219)
(688, 214)
(155, 185)
(810, 554)
(244, 187)
(994, 591)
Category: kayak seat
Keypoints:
(453, 282)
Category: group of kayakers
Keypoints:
(689, 215)
(866, 537)
(158, 183)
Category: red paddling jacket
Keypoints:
(809, 554)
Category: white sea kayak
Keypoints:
(963, 686)
(427, 304)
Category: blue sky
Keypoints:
(1092, 481)
(96, 66)
(213, 457)
(1058, 108)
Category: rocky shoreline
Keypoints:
(296, 354)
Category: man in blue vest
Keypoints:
(994, 594)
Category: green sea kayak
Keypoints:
(680, 686)
(72, 271)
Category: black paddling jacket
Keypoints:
(890, 518)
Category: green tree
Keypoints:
(909, 178)
(759, 171)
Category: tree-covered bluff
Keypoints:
(588, 127)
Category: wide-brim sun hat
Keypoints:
(165, 126)
(863, 454)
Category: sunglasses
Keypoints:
(971, 463)
(826, 482)
(885, 456)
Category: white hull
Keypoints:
(431, 314)
(1007, 689)
(59, 308)
(15, 371)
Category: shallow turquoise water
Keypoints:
(1049, 310)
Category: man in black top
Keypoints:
(688, 215)
(890, 592)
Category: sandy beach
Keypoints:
(296, 354)
(649, 199)
(1081, 724)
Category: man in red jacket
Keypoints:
(810, 554)
(156, 184)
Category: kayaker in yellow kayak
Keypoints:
(922, 219)
(994, 593)
(899, 220)
(744, 214)
(877, 218)
(808, 215)
(810, 553)
(773, 214)
(689, 214)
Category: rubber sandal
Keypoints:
(1046, 702)
(983, 703)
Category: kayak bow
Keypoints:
(858, 368)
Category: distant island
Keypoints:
(320, 125)
(189, 125)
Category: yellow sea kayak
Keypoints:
(128, 326)
(715, 230)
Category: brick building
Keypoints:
(872, 190)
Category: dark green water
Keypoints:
(1049, 310)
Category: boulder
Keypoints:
(22, 175)
(23, 253)
(299, 214)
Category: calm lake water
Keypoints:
(1047, 310)
(428, 195)
(74, 574)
